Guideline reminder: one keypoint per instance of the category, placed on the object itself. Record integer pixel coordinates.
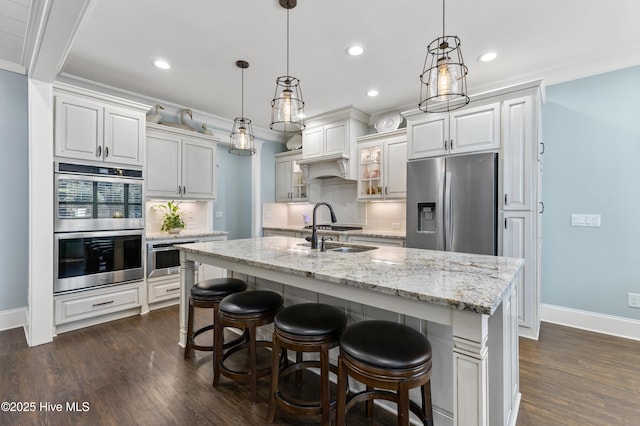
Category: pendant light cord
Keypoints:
(288, 41)
(443, 20)
(242, 95)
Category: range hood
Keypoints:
(327, 166)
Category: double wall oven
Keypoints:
(99, 226)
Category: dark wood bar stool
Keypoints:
(247, 311)
(306, 327)
(208, 294)
(390, 359)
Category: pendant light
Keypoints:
(242, 132)
(287, 106)
(444, 77)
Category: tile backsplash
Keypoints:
(196, 215)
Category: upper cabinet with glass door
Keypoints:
(382, 166)
(291, 185)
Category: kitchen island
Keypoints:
(464, 303)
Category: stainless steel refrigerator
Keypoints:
(452, 203)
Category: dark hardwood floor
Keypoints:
(131, 371)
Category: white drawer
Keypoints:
(96, 302)
(379, 241)
(163, 290)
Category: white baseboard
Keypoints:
(591, 321)
(13, 318)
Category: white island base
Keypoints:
(475, 379)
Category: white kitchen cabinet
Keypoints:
(330, 138)
(517, 242)
(180, 164)
(467, 130)
(382, 166)
(291, 185)
(93, 127)
(325, 140)
(518, 153)
(81, 309)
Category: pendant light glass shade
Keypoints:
(443, 82)
(241, 138)
(287, 106)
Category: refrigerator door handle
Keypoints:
(448, 213)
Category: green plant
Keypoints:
(172, 216)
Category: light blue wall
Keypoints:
(234, 194)
(591, 132)
(14, 191)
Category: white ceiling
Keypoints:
(14, 15)
(118, 40)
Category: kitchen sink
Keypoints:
(350, 249)
(342, 248)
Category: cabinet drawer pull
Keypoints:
(179, 189)
(103, 303)
(445, 144)
(542, 148)
(505, 223)
(505, 199)
(184, 190)
(169, 290)
(106, 151)
(451, 144)
(541, 207)
(99, 151)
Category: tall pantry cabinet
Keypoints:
(515, 114)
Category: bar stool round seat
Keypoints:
(305, 327)
(247, 311)
(208, 294)
(390, 359)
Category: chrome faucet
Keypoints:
(314, 234)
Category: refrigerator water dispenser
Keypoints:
(426, 217)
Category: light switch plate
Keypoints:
(588, 220)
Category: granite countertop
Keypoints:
(475, 283)
(361, 232)
(187, 233)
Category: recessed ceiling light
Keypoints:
(487, 57)
(162, 64)
(355, 50)
(372, 93)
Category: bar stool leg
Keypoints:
(369, 404)
(341, 397)
(425, 390)
(217, 352)
(324, 387)
(275, 377)
(403, 404)
(298, 381)
(253, 366)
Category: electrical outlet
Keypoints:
(634, 300)
(395, 226)
(192, 225)
(218, 215)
